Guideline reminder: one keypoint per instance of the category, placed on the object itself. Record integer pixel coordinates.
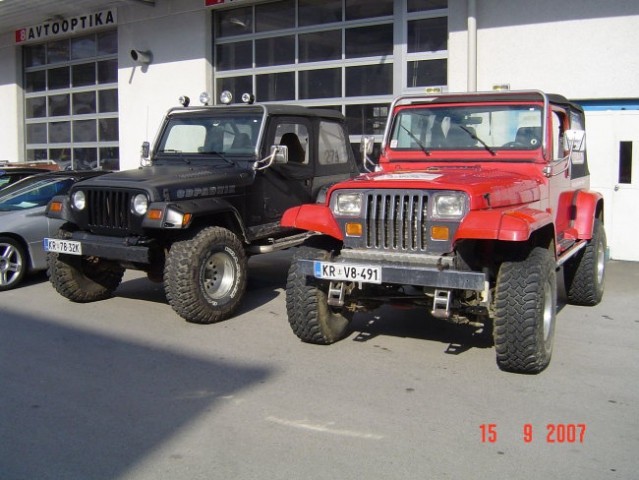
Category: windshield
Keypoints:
(482, 127)
(30, 193)
(223, 134)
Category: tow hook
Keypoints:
(336, 292)
(441, 304)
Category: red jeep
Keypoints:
(478, 200)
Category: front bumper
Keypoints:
(124, 249)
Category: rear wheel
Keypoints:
(312, 319)
(13, 263)
(584, 274)
(525, 309)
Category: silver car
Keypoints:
(23, 224)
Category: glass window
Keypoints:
(237, 21)
(108, 43)
(83, 103)
(36, 81)
(231, 56)
(320, 46)
(332, 144)
(424, 5)
(34, 154)
(295, 137)
(108, 129)
(325, 83)
(427, 73)
(34, 56)
(108, 71)
(369, 80)
(108, 100)
(59, 132)
(316, 12)
(236, 85)
(59, 78)
(85, 158)
(275, 16)
(37, 133)
(58, 51)
(109, 158)
(83, 47)
(275, 51)
(36, 107)
(371, 41)
(366, 119)
(358, 9)
(62, 156)
(59, 105)
(275, 86)
(84, 131)
(83, 75)
(428, 35)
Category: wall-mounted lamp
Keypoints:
(142, 57)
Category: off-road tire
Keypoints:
(312, 319)
(525, 310)
(14, 263)
(205, 276)
(83, 279)
(585, 273)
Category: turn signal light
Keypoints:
(154, 214)
(439, 232)
(55, 207)
(354, 229)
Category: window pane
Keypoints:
(84, 131)
(34, 56)
(332, 144)
(37, 154)
(108, 129)
(108, 43)
(83, 103)
(83, 47)
(369, 80)
(62, 157)
(58, 51)
(320, 46)
(36, 107)
(59, 132)
(110, 158)
(427, 73)
(83, 74)
(356, 9)
(423, 5)
(108, 100)
(36, 81)
(238, 21)
(321, 83)
(85, 158)
(275, 86)
(37, 133)
(108, 71)
(369, 41)
(59, 105)
(234, 55)
(59, 78)
(316, 12)
(236, 85)
(275, 16)
(366, 119)
(275, 51)
(428, 35)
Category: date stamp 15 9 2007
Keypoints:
(554, 433)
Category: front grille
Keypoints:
(397, 220)
(110, 209)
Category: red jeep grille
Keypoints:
(397, 220)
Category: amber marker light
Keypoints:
(354, 229)
(186, 219)
(154, 214)
(55, 207)
(439, 232)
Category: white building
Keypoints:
(71, 89)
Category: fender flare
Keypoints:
(314, 218)
(503, 224)
(588, 206)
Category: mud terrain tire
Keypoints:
(585, 273)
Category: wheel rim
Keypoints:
(218, 275)
(10, 264)
(548, 310)
(601, 263)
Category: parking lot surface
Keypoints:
(125, 389)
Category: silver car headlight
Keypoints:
(449, 205)
(140, 204)
(348, 204)
(79, 200)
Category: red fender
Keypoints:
(314, 218)
(586, 203)
(502, 224)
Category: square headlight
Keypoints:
(449, 205)
(348, 204)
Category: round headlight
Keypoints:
(140, 204)
(205, 98)
(226, 97)
(79, 200)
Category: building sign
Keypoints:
(67, 26)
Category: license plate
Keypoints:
(62, 246)
(347, 272)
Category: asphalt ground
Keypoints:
(125, 389)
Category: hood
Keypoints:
(175, 182)
(488, 187)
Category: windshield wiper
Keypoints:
(179, 152)
(412, 135)
(475, 137)
(222, 156)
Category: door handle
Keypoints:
(616, 188)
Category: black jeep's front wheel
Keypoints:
(312, 319)
(525, 309)
(205, 276)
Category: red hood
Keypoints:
(488, 187)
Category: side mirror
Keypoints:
(145, 154)
(575, 140)
(366, 148)
(279, 154)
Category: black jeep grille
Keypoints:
(110, 209)
(397, 220)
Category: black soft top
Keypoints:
(269, 109)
